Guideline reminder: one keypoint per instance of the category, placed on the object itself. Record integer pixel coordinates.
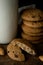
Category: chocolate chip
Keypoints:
(16, 56)
(13, 51)
(15, 44)
(8, 51)
(33, 16)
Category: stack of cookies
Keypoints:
(32, 27)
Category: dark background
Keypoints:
(39, 3)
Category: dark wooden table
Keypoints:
(30, 60)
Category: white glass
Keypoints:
(8, 20)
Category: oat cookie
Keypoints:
(1, 51)
(33, 34)
(24, 45)
(32, 14)
(15, 53)
(34, 24)
(27, 29)
(31, 38)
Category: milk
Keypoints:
(8, 20)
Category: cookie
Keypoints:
(1, 51)
(27, 29)
(33, 34)
(32, 14)
(41, 58)
(31, 38)
(33, 24)
(15, 53)
(31, 41)
(24, 45)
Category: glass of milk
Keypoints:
(8, 20)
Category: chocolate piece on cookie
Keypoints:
(32, 14)
(24, 45)
(15, 53)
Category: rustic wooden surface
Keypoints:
(30, 60)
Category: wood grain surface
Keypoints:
(30, 60)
